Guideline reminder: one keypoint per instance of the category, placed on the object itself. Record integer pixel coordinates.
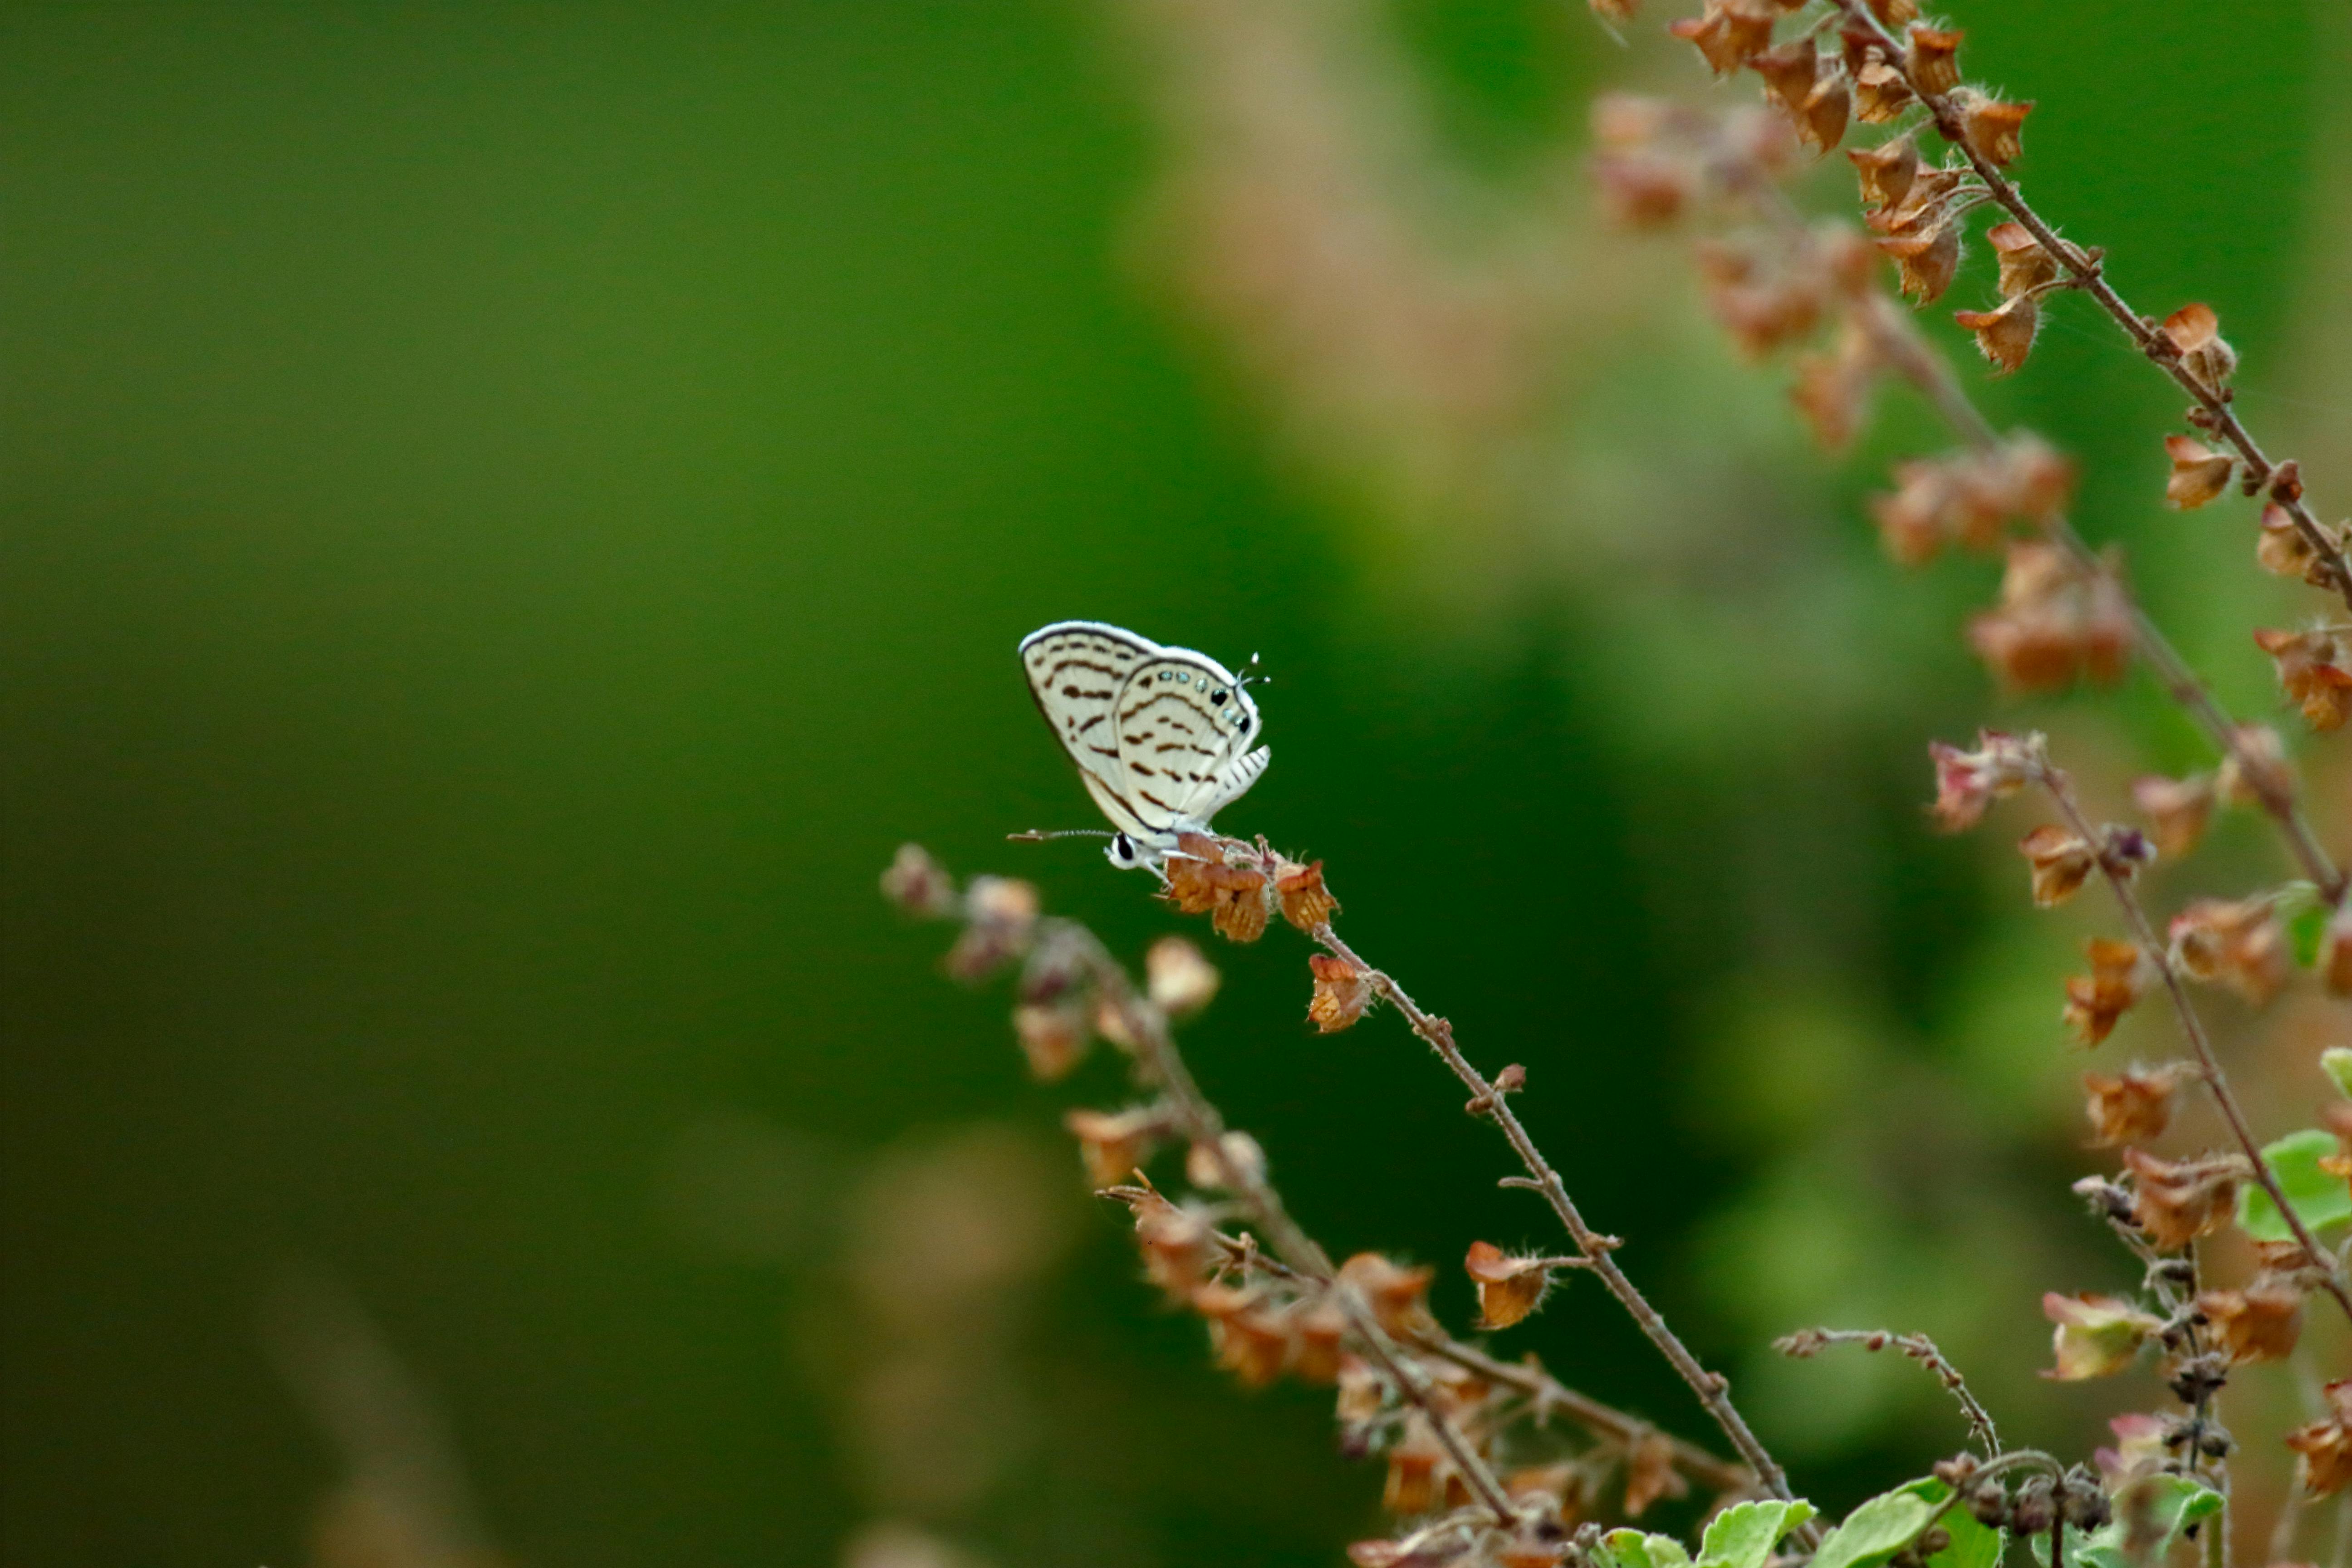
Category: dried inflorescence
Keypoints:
(2324, 1449)
(1969, 499)
(1968, 783)
(2134, 1106)
(2239, 943)
(2175, 1202)
(2121, 973)
(2315, 670)
(2056, 621)
(2096, 1336)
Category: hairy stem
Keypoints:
(1712, 1388)
(2061, 790)
(1919, 1348)
(1203, 1126)
(2087, 271)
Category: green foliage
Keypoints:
(1632, 1549)
(2176, 1504)
(2306, 932)
(2321, 1199)
(2337, 1062)
(1973, 1544)
(1882, 1527)
(1743, 1535)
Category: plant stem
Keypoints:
(1712, 1388)
(2119, 880)
(2089, 272)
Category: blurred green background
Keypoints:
(513, 512)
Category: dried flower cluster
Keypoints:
(1486, 1462)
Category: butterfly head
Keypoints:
(1123, 853)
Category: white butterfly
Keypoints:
(1159, 734)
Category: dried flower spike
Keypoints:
(1880, 93)
(2177, 809)
(1398, 1296)
(1641, 190)
(2130, 1107)
(2120, 973)
(2335, 954)
(1966, 782)
(1992, 129)
(1305, 902)
(1822, 117)
(1235, 898)
(1508, 1288)
(2314, 669)
(2283, 550)
(1649, 1474)
(1791, 72)
(2177, 1202)
(1729, 35)
(1114, 1144)
(2004, 336)
(2196, 332)
(918, 884)
(2025, 266)
(1833, 390)
(1343, 992)
(2198, 473)
(2325, 1448)
(2062, 862)
(1178, 979)
(1925, 262)
(2255, 772)
(2054, 621)
(2258, 1323)
(1250, 1339)
(2097, 1336)
(2239, 944)
(1934, 59)
(1886, 170)
(1054, 1035)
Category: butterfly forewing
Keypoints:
(1075, 670)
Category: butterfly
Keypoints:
(1160, 735)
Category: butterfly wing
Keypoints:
(1076, 670)
(1183, 727)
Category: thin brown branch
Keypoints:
(1919, 1348)
(1899, 341)
(1712, 1388)
(2118, 878)
(1727, 1479)
(1203, 1126)
(2087, 269)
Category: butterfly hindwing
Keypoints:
(1183, 723)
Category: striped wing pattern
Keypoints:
(1160, 735)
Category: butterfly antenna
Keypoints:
(1036, 836)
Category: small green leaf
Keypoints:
(1632, 1549)
(1879, 1528)
(1743, 1535)
(2337, 1062)
(2307, 930)
(2320, 1199)
(1974, 1545)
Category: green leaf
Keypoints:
(2336, 1061)
(1974, 1545)
(2306, 932)
(2320, 1199)
(2173, 1503)
(1743, 1535)
(1880, 1528)
(1632, 1549)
